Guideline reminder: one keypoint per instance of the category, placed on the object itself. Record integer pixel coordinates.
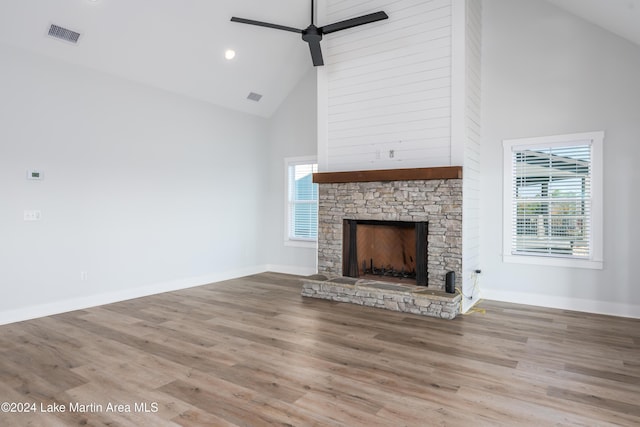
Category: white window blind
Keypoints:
(303, 202)
(552, 201)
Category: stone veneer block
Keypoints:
(390, 296)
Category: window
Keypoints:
(553, 200)
(302, 202)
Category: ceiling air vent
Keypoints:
(254, 96)
(63, 34)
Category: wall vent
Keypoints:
(254, 96)
(63, 34)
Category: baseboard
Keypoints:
(291, 269)
(574, 304)
(468, 304)
(43, 310)
(471, 289)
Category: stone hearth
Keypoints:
(390, 296)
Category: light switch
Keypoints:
(32, 215)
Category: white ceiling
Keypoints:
(178, 45)
(621, 17)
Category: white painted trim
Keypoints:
(564, 303)
(322, 101)
(471, 287)
(308, 244)
(507, 199)
(41, 310)
(458, 81)
(322, 118)
(597, 204)
(291, 269)
(468, 304)
(553, 261)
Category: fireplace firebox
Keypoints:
(393, 251)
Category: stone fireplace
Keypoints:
(431, 197)
(436, 201)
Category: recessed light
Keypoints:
(229, 54)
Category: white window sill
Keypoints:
(311, 244)
(553, 261)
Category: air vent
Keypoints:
(63, 34)
(254, 96)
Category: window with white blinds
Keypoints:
(302, 206)
(553, 198)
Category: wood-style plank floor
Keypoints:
(252, 352)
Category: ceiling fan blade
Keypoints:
(353, 22)
(265, 24)
(316, 53)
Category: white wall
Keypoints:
(388, 87)
(144, 191)
(292, 133)
(546, 72)
(470, 133)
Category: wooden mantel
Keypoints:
(445, 172)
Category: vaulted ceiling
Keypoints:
(179, 45)
(176, 45)
(621, 17)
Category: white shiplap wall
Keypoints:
(471, 181)
(410, 84)
(388, 86)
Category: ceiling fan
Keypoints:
(313, 34)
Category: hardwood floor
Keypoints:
(252, 352)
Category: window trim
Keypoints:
(596, 260)
(288, 241)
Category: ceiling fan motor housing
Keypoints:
(311, 34)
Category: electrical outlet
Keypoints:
(35, 175)
(84, 276)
